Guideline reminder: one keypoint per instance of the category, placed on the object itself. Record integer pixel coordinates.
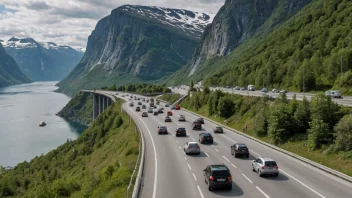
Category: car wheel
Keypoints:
(231, 152)
(209, 187)
(260, 173)
(205, 180)
(276, 175)
(230, 188)
(253, 168)
(247, 156)
(235, 155)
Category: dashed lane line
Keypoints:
(233, 165)
(206, 154)
(260, 190)
(229, 138)
(186, 158)
(189, 166)
(217, 150)
(194, 177)
(302, 184)
(226, 158)
(247, 178)
(200, 192)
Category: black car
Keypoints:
(167, 105)
(150, 110)
(139, 103)
(218, 129)
(181, 131)
(205, 138)
(173, 108)
(167, 119)
(218, 176)
(239, 149)
(156, 113)
(138, 109)
(196, 125)
(162, 130)
(200, 120)
(160, 111)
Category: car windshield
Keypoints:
(220, 173)
(270, 163)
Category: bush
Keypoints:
(226, 107)
(343, 134)
(261, 124)
(317, 134)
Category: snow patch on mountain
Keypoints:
(21, 43)
(185, 20)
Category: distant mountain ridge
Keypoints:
(137, 44)
(10, 73)
(42, 61)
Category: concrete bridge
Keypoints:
(101, 101)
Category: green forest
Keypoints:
(140, 89)
(318, 130)
(98, 164)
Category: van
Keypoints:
(334, 93)
(251, 88)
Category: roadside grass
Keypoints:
(341, 161)
(98, 164)
(171, 98)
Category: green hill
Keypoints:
(313, 41)
(98, 164)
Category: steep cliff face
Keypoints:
(137, 44)
(42, 61)
(237, 21)
(10, 73)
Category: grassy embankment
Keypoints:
(98, 164)
(244, 118)
(171, 98)
(79, 109)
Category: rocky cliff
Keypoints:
(137, 44)
(237, 21)
(42, 61)
(10, 73)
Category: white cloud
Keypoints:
(70, 22)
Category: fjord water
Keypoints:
(22, 108)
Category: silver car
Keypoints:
(181, 118)
(191, 148)
(265, 166)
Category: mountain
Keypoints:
(42, 61)
(235, 23)
(313, 46)
(137, 44)
(10, 73)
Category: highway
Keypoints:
(170, 173)
(346, 100)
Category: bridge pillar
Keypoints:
(103, 103)
(99, 103)
(95, 106)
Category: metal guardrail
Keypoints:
(305, 160)
(138, 181)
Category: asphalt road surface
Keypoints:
(170, 173)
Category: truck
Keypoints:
(251, 88)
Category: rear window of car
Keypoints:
(270, 163)
(193, 145)
(181, 129)
(207, 134)
(218, 127)
(242, 146)
(220, 173)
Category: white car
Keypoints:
(334, 93)
(191, 148)
(181, 118)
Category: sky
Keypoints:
(70, 22)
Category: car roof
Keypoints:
(219, 167)
(192, 142)
(266, 158)
(206, 134)
(162, 126)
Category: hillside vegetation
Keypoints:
(79, 109)
(312, 41)
(98, 164)
(318, 130)
(143, 89)
(171, 98)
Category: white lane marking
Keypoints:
(247, 178)
(172, 134)
(206, 154)
(213, 146)
(189, 166)
(226, 158)
(177, 142)
(192, 138)
(229, 138)
(158, 121)
(194, 177)
(302, 183)
(233, 165)
(186, 158)
(200, 192)
(217, 150)
(155, 159)
(179, 147)
(260, 190)
(254, 152)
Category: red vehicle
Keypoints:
(169, 113)
(178, 107)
